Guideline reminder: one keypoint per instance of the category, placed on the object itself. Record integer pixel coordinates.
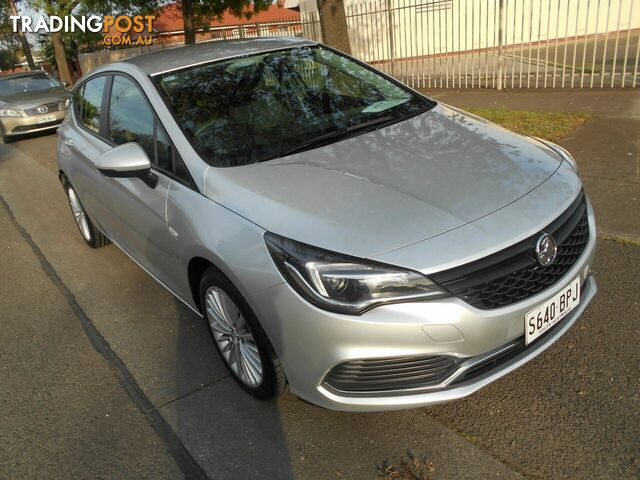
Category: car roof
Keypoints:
(21, 74)
(169, 59)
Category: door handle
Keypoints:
(69, 143)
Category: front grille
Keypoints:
(51, 107)
(385, 374)
(514, 274)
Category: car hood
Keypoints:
(390, 188)
(34, 99)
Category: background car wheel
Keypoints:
(91, 235)
(239, 338)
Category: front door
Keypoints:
(134, 213)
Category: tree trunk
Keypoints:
(61, 57)
(187, 18)
(23, 39)
(333, 23)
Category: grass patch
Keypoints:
(551, 126)
(468, 436)
(621, 240)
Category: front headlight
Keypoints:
(67, 102)
(10, 113)
(344, 284)
(560, 151)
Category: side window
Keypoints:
(180, 170)
(77, 102)
(164, 150)
(130, 117)
(168, 159)
(89, 103)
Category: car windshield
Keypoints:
(27, 83)
(258, 107)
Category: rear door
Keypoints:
(80, 145)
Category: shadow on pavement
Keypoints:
(230, 434)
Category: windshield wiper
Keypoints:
(362, 127)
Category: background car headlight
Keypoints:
(10, 113)
(67, 102)
(560, 151)
(345, 284)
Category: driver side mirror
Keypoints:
(127, 161)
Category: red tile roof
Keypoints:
(169, 17)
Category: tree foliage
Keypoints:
(74, 44)
(6, 33)
(10, 46)
(93, 7)
(63, 45)
(208, 9)
(196, 14)
(9, 56)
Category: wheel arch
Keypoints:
(195, 269)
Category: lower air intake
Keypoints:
(396, 373)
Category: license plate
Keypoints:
(545, 316)
(46, 118)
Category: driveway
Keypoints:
(87, 333)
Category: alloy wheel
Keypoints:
(79, 214)
(233, 336)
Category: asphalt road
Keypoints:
(86, 333)
(64, 412)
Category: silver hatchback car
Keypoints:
(342, 234)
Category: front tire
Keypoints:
(239, 338)
(91, 235)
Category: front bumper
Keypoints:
(12, 126)
(460, 390)
(310, 341)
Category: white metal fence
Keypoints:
(500, 43)
(483, 43)
(480, 43)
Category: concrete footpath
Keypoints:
(63, 411)
(607, 149)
